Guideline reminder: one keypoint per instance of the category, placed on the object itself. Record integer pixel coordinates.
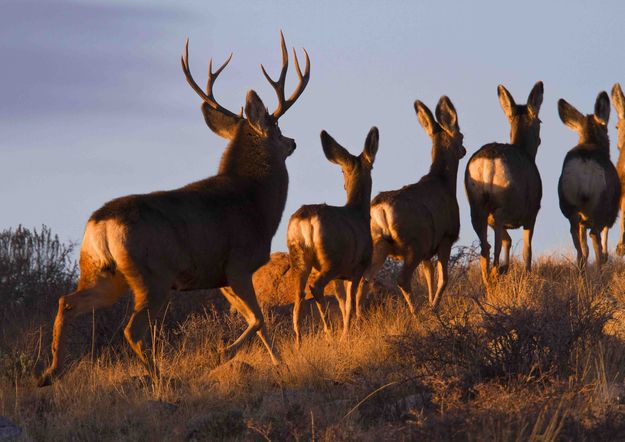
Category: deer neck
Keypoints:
(262, 175)
(522, 140)
(599, 144)
(359, 199)
(444, 168)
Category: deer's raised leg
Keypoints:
(405, 280)
(381, 249)
(444, 252)
(104, 292)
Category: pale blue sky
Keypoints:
(93, 103)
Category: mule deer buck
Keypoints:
(421, 220)
(336, 241)
(618, 101)
(208, 234)
(503, 184)
(589, 187)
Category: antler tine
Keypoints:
(284, 104)
(212, 76)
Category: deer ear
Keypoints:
(446, 114)
(506, 101)
(426, 119)
(223, 125)
(569, 115)
(602, 107)
(618, 101)
(535, 99)
(257, 115)
(371, 145)
(333, 151)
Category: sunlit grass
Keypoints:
(540, 357)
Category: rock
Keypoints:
(8, 429)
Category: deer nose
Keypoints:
(292, 146)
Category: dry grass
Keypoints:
(540, 357)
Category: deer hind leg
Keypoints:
(351, 295)
(404, 281)
(317, 288)
(528, 234)
(583, 243)
(444, 252)
(300, 277)
(381, 250)
(106, 290)
(499, 236)
(620, 247)
(595, 236)
(604, 243)
(427, 270)
(150, 299)
(243, 297)
(479, 219)
(506, 244)
(576, 229)
(341, 295)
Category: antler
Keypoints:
(284, 105)
(212, 76)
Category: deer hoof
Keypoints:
(620, 249)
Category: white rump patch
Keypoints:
(302, 231)
(102, 240)
(488, 176)
(379, 220)
(583, 181)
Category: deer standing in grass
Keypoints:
(421, 220)
(618, 101)
(336, 241)
(589, 187)
(503, 184)
(208, 234)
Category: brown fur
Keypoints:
(421, 220)
(503, 184)
(618, 101)
(334, 240)
(592, 207)
(213, 233)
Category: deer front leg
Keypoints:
(243, 297)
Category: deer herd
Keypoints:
(217, 232)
